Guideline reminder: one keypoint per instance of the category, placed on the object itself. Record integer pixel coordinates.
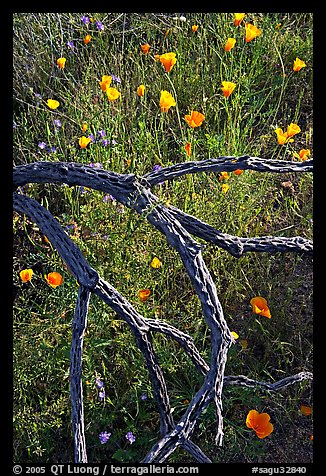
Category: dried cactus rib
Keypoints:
(177, 227)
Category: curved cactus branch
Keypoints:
(179, 229)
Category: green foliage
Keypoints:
(120, 244)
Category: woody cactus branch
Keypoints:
(179, 229)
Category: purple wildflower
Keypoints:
(83, 190)
(99, 25)
(105, 142)
(51, 149)
(114, 142)
(104, 437)
(85, 19)
(130, 437)
(57, 123)
(91, 137)
(70, 44)
(101, 133)
(42, 145)
(99, 383)
(96, 164)
(102, 394)
(143, 396)
(115, 78)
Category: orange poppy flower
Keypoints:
(83, 142)
(260, 423)
(26, 275)
(166, 101)
(306, 411)
(157, 57)
(227, 88)
(61, 62)
(194, 28)
(238, 172)
(105, 83)
(304, 154)
(229, 44)
(188, 149)
(238, 17)
(141, 90)
(298, 64)
(284, 137)
(293, 129)
(112, 94)
(145, 48)
(54, 279)
(252, 32)
(168, 60)
(194, 119)
(144, 294)
(84, 126)
(259, 306)
(87, 39)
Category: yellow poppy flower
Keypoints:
(252, 32)
(194, 28)
(224, 176)
(112, 94)
(141, 90)
(238, 17)
(61, 62)
(156, 263)
(166, 101)
(105, 83)
(298, 64)
(227, 88)
(84, 126)
(52, 103)
(84, 141)
(26, 275)
(87, 39)
(225, 187)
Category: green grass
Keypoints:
(120, 244)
